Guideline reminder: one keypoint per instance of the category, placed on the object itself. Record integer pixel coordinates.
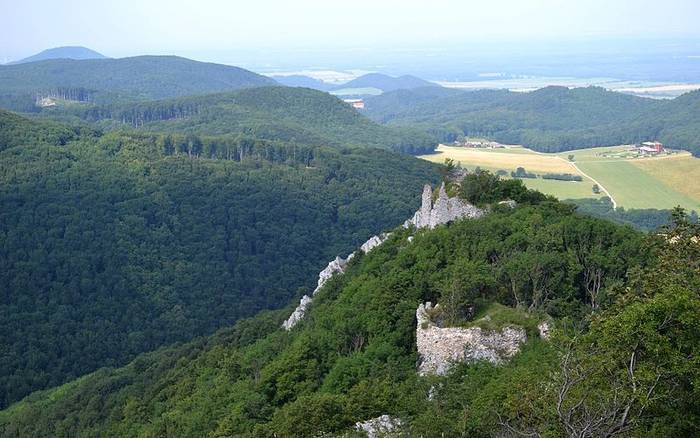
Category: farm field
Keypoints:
(507, 159)
(681, 173)
(648, 182)
(632, 187)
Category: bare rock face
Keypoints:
(374, 242)
(444, 210)
(544, 330)
(298, 313)
(439, 348)
(336, 266)
(383, 426)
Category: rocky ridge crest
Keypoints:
(431, 214)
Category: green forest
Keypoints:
(622, 357)
(551, 119)
(115, 244)
(298, 115)
(105, 81)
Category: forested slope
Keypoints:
(117, 244)
(291, 114)
(124, 79)
(354, 357)
(551, 119)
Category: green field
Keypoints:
(634, 182)
(633, 188)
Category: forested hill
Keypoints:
(550, 119)
(16, 130)
(117, 244)
(621, 357)
(275, 113)
(124, 79)
(67, 52)
(387, 83)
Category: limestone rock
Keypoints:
(444, 210)
(439, 348)
(544, 330)
(382, 426)
(334, 267)
(509, 203)
(298, 313)
(374, 242)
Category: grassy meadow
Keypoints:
(633, 181)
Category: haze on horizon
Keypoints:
(211, 29)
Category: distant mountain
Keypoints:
(66, 52)
(303, 81)
(387, 83)
(118, 80)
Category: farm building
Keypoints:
(651, 147)
(356, 103)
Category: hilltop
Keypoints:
(66, 52)
(601, 357)
(300, 115)
(386, 83)
(118, 80)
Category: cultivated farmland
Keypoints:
(649, 182)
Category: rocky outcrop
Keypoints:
(298, 313)
(444, 210)
(382, 426)
(336, 266)
(431, 214)
(544, 330)
(374, 242)
(439, 348)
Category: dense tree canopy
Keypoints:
(117, 244)
(298, 115)
(551, 119)
(112, 80)
(517, 265)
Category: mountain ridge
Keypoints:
(63, 52)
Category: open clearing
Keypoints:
(649, 182)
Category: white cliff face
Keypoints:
(379, 427)
(439, 348)
(298, 313)
(336, 266)
(444, 210)
(374, 242)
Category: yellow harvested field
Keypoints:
(680, 172)
(486, 158)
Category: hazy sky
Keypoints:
(129, 27)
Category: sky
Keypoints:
(210, 29)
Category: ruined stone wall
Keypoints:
(439, 348)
